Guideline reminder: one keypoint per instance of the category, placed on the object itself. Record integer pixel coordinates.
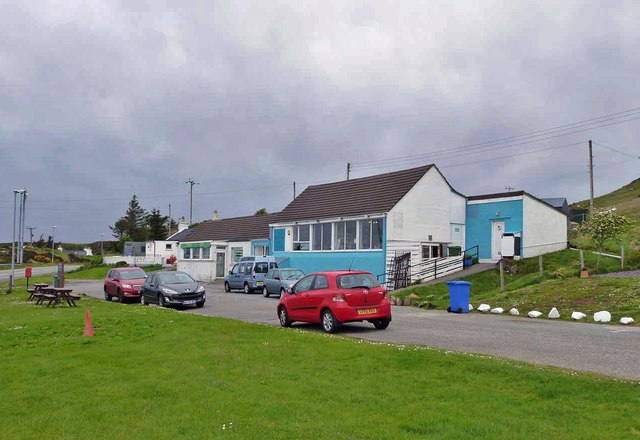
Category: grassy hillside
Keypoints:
(559, 287)
(626, 200)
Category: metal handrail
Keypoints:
(439, 266)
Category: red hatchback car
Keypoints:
(124, 283)
(335, 297)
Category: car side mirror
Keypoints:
(290, 291)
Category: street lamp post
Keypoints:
(13, 242)
(53, 242)
(102, 247)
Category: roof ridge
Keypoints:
(343, 182)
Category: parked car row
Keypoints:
(329, 298)
(165, 288)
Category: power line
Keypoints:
(617, 151)
(525, 138)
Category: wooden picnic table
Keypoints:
(37, 292)
(56, 295)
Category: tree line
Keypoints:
(139, 225)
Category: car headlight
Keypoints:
(167, 290)
(126, 286)
(200, 289)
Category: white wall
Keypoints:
(545, 228)
(429, 208)
(158, 248)
(201, 270)
(138, 261)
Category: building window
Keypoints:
(376, 233)
(365, 234)
(260, 250)
(167, 247)
(236, 253)
(338, 238)
(301, 238)
(187, 253)
(322, 237)
(206, 253)
(195, 253)
(430, 251)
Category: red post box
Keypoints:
(27, 272)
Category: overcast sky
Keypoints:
(103, 99)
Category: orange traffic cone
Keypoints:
(88, 328)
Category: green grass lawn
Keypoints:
(157, 373)
(559, 287)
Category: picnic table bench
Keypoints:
(37, 292)
(56, 295)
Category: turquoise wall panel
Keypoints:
(480, 218)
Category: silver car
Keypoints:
(277, 281)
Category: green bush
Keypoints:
(121, 264)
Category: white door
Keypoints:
(497, 229)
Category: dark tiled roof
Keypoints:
(252, 227)
(180, 236)
(497, 195)
(366, 195)
(557, 202)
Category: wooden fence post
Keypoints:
(622, 256)
(540, 264)
(581, 259)
(501, 276)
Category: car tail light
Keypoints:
(339, 297)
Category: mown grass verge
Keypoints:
(157, 373)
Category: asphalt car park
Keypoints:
(596, 348)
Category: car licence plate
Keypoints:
(191, 301)
(366, 311)
(259, 283)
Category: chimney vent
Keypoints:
(215, 214)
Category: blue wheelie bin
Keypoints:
(459, 296)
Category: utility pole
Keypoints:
(170, 220)
(102, 246)
(294, 190)
(53, 243)
(19, 247)
(13, 243)
(31, 228)
(509, 188)
(23, 212)
(191, 182)
(591, 207)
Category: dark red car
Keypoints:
(124, 283)
(335, 297)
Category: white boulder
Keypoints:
(554, 314)
(497, 310)
(484, 307)
(534, 314)
(626, 321)
(514, 312)
(602, 316)
(578, 316)
(470, 307)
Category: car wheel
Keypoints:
(227, 287)
(381, 324)
(120, 297)
(107, 297)
(282, 292)
(329, 323)
(161, 302)
(284, 317)
(142, 301)
(200, 304)
(246, 288)
(265, 292)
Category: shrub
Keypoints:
(171, 260)
(121, 264)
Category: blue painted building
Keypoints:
(368, 223)
(513, 225)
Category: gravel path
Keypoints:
(626, 274)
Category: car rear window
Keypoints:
(357, 281)
(262, 267)
(135, 274)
